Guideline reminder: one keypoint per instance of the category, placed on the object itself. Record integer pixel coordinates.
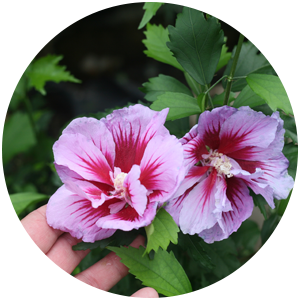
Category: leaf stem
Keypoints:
(233, 67)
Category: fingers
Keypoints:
(63, 255)
(41, 233)
(108, 271)
(146, 292)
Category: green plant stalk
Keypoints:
(208, 95)
(194, 86)
(233, 67)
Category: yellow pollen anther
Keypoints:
(119, 181)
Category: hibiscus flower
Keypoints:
(228, 151)
(115, 172)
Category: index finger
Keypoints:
(38, 229)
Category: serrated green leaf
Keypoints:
(248, 98)
(193, 244)
(270, 88)
(224, 257)
(163, 273)
(224, 58)
(247, 236)
(219, 8)
(178, 127)
(290, 205)
(250, 61)
(255, 284)
(269, 227)
(18, 136)
(15, 292)
(161, 84)
(21, 200)
(150, 11)
(260, 202)
(290, 228)
(181, 105)
(13, 82)
(256, 20)
(47, 69)
(196, 44)
(281, 288)
(290, 127)
(156, 44)
(290, 151)
(161, 232)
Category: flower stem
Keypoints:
(233, 67)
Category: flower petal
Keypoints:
(71, 213)
(242, 207)
(80, 155)
(136, 191)
(96, 131)
(162, 167)
(131, 129)
(190, 135)
(246, 128)
(210, 124)
(127, 218)
(198, 208)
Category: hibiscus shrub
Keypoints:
(189, 188)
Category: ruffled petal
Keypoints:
(198, 208)
(246, 128)
(210, 124)
(71, 213)
(132, 128)
(242, 207)
(162, 167)
(97, 132)
(80, 155)
(128, 218)
(136, 191)
(190, 135)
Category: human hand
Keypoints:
(34, 254)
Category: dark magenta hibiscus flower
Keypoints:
(228, 151)
(115, 172)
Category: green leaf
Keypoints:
(218, 100)
(14, 37)
(161, 232)
(224, 257)
(269, 227)
(150, 11)
(15, 292)
(281, 288)
(156, 44)
(290, 151)
(290, 127)
(255, 284)
(13, 82)
(260, 202)
(249, 62)
(181, 105)
(194, 245)
(163, 273)
(219, 8)
(290, 205)
(178, 127)
(197, 44)
(248, 98)
(47, 69)
(247, 236)
(256, 20)
(290, 228)
(18, 136)
(270, 88)
(201, 100)
(225, 56)
(161, 84)
(21, 200)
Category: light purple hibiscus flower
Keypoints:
(116, 171)
(228, 151)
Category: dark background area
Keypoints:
(105, 51)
